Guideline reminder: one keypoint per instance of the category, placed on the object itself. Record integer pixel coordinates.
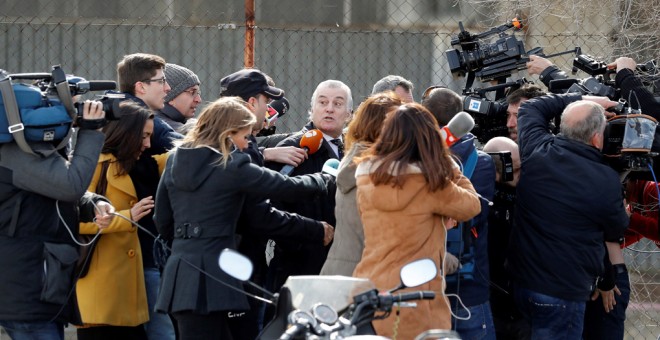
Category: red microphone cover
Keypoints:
(312, 140)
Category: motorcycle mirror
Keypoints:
(235, 264)
(418, 272)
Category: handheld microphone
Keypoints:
(276, 109)
(331, 166)
(311, 141)
(459, 126)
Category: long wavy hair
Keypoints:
(410, 136)
(369, 117)
(216, 124)
(123, 137)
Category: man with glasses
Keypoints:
(142, 79)
(182, 100)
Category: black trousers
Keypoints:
(202, 327)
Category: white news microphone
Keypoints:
(331, 166)
(459, 126)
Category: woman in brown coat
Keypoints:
(363, 131)
(408, 189)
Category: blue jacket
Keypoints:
(476, 292)
(568, 203)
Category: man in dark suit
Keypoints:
(331, 109)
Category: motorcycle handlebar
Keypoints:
(294, 330)
(419, 295)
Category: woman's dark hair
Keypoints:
(123, 137)
(410, 136)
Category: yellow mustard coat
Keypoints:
(113, 292)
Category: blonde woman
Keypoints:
(198, 203)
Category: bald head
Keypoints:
(584, 121)
(503, 144)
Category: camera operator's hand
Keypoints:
(328, 233)
(537, 64)
(602, 101)
(622, 63)
(93, 116)
(104, 214)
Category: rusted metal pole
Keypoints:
(248, 54)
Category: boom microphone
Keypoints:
(311, 142)
(459, 126)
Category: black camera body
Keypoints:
(489, 116)
(110, 103)
(488, 61)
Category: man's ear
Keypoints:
(252, 101)
(139, 87)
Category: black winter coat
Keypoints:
(199, 210)
(569, 202)
(37, 254)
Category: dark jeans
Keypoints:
(479, 326)
(112, 332)
(599, 325)
(550, 317)
(33, 330)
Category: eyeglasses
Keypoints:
(194, 92)
(431, 88)
(158, 80)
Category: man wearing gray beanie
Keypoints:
(182, 100)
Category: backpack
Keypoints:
(460, 238)
(28, 115)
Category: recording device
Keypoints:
(488, 61)
(628, 139)
(504, 158)
(276, 109)
(331, 166)
(51, 85)
(460, 125)
(311, 141)
(599, 82)
(489, 115)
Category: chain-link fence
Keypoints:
(303, 42)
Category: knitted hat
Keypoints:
(180, 79)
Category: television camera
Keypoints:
(54, 87)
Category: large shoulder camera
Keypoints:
(488, 61)
(42, 110)
(48, 84)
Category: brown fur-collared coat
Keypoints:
(406, 224)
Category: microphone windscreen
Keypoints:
(312, 141)
(280, 105)
(461, 124)
(331, 166)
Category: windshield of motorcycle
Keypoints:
(335, 291)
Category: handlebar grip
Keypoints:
(419, 295)
(294, 330)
